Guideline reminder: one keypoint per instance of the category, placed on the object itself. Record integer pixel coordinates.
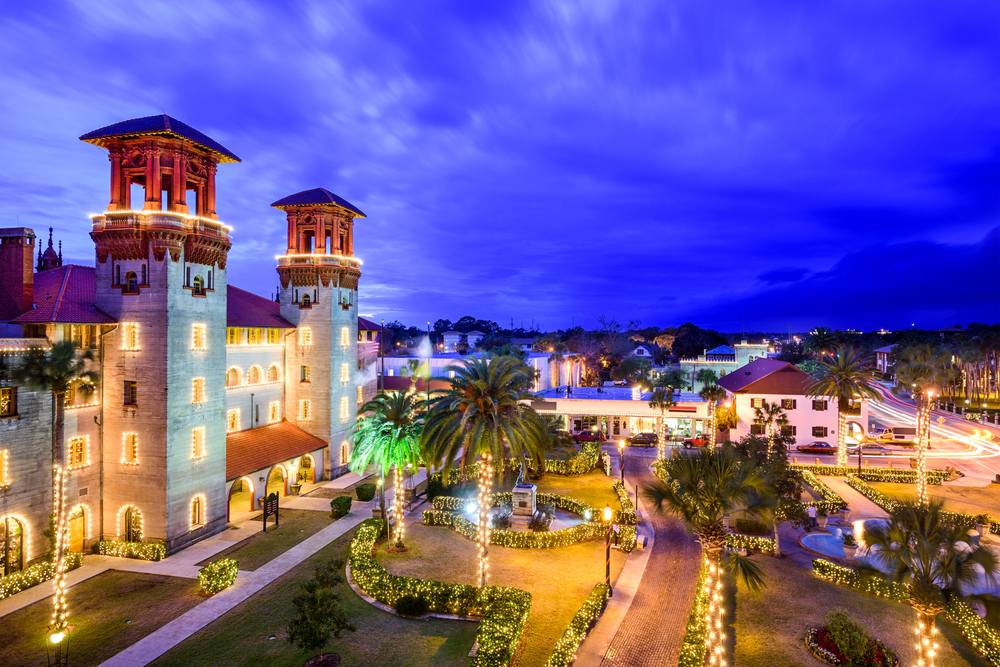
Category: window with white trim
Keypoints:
(344, 336)
(344, 414)
(198, 390)
(233, 420)
(273, 412)
(788, 404)
(199, 337)
(130, 336)
(198, 442)
(345, 374)
(305, 410)
(820, 431)
(756, 402)
(305, 336)
(130, 448)
(79, 452)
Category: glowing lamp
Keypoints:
(472, 507)
(607, 513)
(57, 636)
(621, 444)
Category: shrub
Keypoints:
(851, 639)
(886, 503)
(849, 540)
(218, 575)
(752, 527)
(751, 543)
(411, 605)
(34, 575)
(340, 506)
(565, 651)
(693, 645)
(366, 492)
(318, 612)
(896, 475)
(501, 517)
(540, 521)
(153, 551)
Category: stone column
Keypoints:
(211, 168)
(320, 219)
(179, 183)
(291, 234)
(153, 187)
(200, 199)
(115, 155)
(350, 236)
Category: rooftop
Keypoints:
(245, 309)
(257, 448)
(317, 197)
(612, 394)
(162, 125)
(65, 294)
(774, 377)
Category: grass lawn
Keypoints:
(769, 628)
(968, 499)
(559, 580)
(241, 637)
(593, 488)
(98, 610)
(296, 526)
(323, 492)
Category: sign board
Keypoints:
(270, 504)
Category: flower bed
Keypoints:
(504, 610)
(693, 645)
(153, 551)
(34, 575)
(218, 575)
(823, 647)
(565, 651)
(886, 503)
(896, 475)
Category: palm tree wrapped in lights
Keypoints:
(390, 437)
(57, 370)
(845, 377)
(702, 491)
(922, 370)
(769, 415)
(918, 546)
(484, 415)
(662, 400)
(712, 394)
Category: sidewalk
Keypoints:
(861, 507)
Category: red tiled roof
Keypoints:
(745, 377)
(245, 309)
(366, 324)
(65, 294)
(259, 448)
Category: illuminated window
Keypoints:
(234, 336)
(130, 336)
(198, 442)
(233, 377)
(343, 409)
(756, 402)
(274, 336)
(304, 374)
(305, 410)
(131, 393)
(130, 448)
(4, 480)
(8, 401)
(273, 412)
(199, 337)
(255, 375)
(305, 336)
(197, 511)
(233, 420)
(343, 453)
(79, 452)
(274, 373)
(254, 336)
(345, 374)
(361, 396)
(198, 390)
(344, 335)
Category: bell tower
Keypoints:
(161, 273)
(319, 295)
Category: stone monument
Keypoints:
(524, 498)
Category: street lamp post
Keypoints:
(607, 549)
(621, 457)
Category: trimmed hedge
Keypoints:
(983, 637)
(517, 539)
(894, 475)
(34, 575)
(751, 543)
(847, 576)
(627, 515)
(831, 499)
(578, 507)
(340, 506)
(693, 646)
(504, 610)
(565, 651)
(366, 491)
(886, 503)
(218, 575)
(582, 463)
(153, 551)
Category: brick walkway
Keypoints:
(654, 626)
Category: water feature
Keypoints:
(831, 545)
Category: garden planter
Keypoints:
(850, 551)
(983, 529)
(821, 521)
(845, 516)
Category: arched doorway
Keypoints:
(131, 524)
(240, 496)
(11, 546)
(77, 529)
(855, 433)
(307, 470)
(277, 481)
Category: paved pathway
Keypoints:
(654, 626)
(861, 507)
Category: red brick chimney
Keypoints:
(17, 277)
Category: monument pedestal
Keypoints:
(524, 499)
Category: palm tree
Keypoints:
(919, 547)
(846, 377)
(702, 491)
(56, 370)
(558, 356)
(482, 415)
(414, 369)
(922, 370)
(662, 400)
(770, 415)
(389, 437)
(821, 341)
(712, 393)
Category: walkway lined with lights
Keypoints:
(653, 629)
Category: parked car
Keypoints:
(589, 436)
(870, 449)
(644, 439)
(699, 440)
(817, 448)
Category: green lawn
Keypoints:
(559, 580)
(107, 614)
(593, 488)
(241, 637)
(323, 492)
(968, 499)
(296, 526)
(769, 628)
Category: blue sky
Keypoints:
(796, 164)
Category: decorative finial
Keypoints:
(60, 252)
(50, 237)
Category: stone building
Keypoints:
(210, 396)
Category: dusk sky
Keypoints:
(796, 164)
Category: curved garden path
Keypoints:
(654, 626)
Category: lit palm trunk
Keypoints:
(923, 438)
(711, 426)
(715, 636)
(397, 506)
(59, 583)
(660, 438)
(841, 437)
(926, 644)
(485, 477)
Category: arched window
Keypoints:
(233, 377)
(131, 524)
(131, 282)
(199, 285)
(11, 546)
(305, 299)
(197, 511)
(254, 375)
(343, 454)
(274, 373)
